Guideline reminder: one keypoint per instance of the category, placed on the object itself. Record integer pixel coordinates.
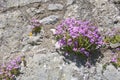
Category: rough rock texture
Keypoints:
(43, 62)
(55, 7)
(50, 19)
(110, 72)
(14, 3)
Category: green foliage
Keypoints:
(114, 39)
(36, 30)
(104, 67)
(117, 64)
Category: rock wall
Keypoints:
(43, 62)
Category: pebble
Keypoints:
(52, 19)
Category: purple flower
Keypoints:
(88, 64)
(66, 54)
(57, 45)
(82, 49)
(75, 29)
(118, 49)
(74, 34)
(75, 44)
(75, 49)
(113, 52)
(33, 20)
(3, 65)
(9, 67)
(92, 41)
(34, 24)
(13, 62)
(62, 41)
(16, 66)
(86, 53)
(18, 59)
(69, 41)
(59, 30)
(114, 59)
(1, 72)
(31, 26)
(13, 76)
(81, 31)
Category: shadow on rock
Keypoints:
(81, 60)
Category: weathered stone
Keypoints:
(107, 14)
(72, 11)
(55, 7)
(14, 3)
(74, 78)
(115, 45)
(69, 2)
(3, 5)
(33, 11)
(26, 48)
(47, 64)
(117, 1)
(110, 72)
(52, 19)
(34, 40)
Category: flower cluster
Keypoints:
(78, 36)
(35, 26)
(115, 60)
(11, 69)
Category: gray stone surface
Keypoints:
(103, 13)
(115, 45)
(69, 2)
(13, 28)
(32, 11)
(72, 11)
(3, 5)
(111, 73)
(55, 7)
(43, 62)
(50, 66)
(14, 3)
